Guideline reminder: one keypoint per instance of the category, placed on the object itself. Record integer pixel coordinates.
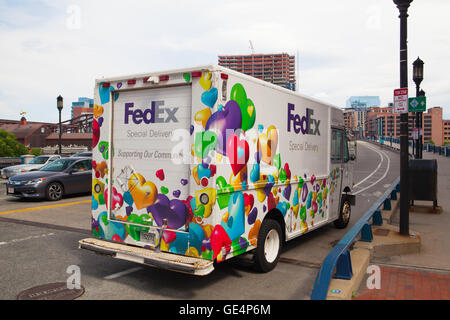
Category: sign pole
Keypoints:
(403, 6)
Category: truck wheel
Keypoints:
(54, 191)
(344, 214)
(269, 243)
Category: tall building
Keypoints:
(277, 68)
(363, 102)
(82, 106)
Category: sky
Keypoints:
(345, 48)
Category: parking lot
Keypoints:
(39, 242)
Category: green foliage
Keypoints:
(431, 142)
(9, 146)
(35, 151)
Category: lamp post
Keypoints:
(403, 6)
(59, 105)
(417, 78)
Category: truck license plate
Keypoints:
(10, 190)
(151, 237)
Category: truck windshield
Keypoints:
(39, 160)
(58, 165)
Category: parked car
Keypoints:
(82, 154)
(62, 177)
(33, 165)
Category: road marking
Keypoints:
(28, 238)
(373, 172)
(122, 273)
(385, 174)
(44, 207)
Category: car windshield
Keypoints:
(39, 160)
(58, 165)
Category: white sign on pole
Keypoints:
(401, 100)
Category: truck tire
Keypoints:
(267, 252)
(344, 213)
(55, 191)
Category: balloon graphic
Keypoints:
(224, 123)
(175, 211)
(238, 153)
(246, 105)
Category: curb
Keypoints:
(386, 242)
(344, 289)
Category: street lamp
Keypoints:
(403, 6)
(417, 78)
(59, 105)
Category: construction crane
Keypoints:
(251, 46)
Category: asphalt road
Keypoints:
(39, 242)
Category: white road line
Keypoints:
(384, 175)
(122, 273)
(27, 238)
(373, 172)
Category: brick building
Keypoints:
(382, 122)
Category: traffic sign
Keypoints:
(418, 104)
(401, 100)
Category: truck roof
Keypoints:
(212, 67)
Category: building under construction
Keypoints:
(277, 68)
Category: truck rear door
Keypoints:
(149, 130)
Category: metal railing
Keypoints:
(338, 262)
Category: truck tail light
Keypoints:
(106, 85)
(131, 81)
(196, 74)
(164, 77)
(224, 76)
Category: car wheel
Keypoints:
(267, 253)
(55, 191)
(344, 214)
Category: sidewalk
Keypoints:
(424, 275)
(404, 284)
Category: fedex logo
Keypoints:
(155, 114)
(305, 124)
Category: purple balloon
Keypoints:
(175, 211)
(207, 244)
(242, 242)
(287, 192)
(304, 192)
(177, 193)
(129, 210)
(225, 122)
(252, 216)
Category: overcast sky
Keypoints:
(346, 48)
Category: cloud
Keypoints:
(61, 47)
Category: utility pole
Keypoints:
(403, 6)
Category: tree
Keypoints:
(9, 146)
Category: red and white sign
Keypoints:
(401, 100)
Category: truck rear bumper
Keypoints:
(163, 260)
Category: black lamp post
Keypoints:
(417, 78)
(59, 104)
(403, 6)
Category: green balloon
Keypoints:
(204, 143)
(246, 105)
(224, 192)
(135, 231)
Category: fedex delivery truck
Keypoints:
(199, 165)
